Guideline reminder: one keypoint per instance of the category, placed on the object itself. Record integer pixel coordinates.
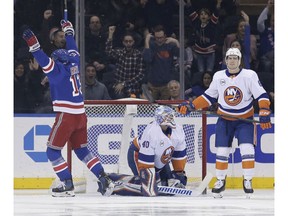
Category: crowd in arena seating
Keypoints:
(147, 27)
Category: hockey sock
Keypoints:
(247, 151)
(222, 157)
(92, 162)
(59, 164)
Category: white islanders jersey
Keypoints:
(157, 149)
(235, 93)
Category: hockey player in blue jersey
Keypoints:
(70, 124)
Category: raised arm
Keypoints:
(34, 48)
(68, 29)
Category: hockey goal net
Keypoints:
(112, 125)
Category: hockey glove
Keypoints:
(186, 107)
(67, 27)
(264, 117)
(31, 40)
(181, 176)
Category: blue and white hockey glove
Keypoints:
(31, 40)
(186, 107)
(181, 176)
(264, 117)
(67, 27)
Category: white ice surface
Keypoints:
(233, 203)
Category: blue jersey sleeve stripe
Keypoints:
(264, 95)
(146, 158)
(179, 154)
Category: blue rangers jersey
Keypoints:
(64, 79)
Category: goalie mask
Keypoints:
(61, 55)
(164, 115)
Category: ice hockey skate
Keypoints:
(247, 187)
(64, 189)
(218, 188)
(105, 185)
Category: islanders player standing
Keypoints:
(235, 90)
(62, 70)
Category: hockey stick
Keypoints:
(173, 190)
(150, 98)
(65, 10)
(187, 192)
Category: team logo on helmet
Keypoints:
(167, 154)
(233, 95)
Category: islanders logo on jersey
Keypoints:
(233, 95)
(167, 155)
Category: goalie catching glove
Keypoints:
(186, 107)
(31, 40)
(264, 117)
(67, 27)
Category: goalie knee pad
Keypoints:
(148, 182)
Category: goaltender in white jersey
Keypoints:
(234, 89)
(157, 148)
(162, 141)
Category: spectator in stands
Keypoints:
(126, 15)
(94, 90)
(199, 87)
(20, 89)
(266, 49)
(52, 37)
(158, 54)
(228, 17)
(243, 25)
(95, 38)
(243, 46)
(174, 90)
(205, 36)
(159, 12)
(129, 66)
(38, 89)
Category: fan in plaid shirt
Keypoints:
(129, 66)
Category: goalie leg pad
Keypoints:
(148, 182)
(127, 189)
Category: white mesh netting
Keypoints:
(112, 127)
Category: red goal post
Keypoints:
(112, 125)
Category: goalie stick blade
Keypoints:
(187, 192)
